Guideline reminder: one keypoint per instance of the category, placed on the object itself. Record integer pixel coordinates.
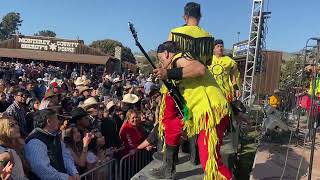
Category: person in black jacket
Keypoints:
(3, 103)
(110, 127)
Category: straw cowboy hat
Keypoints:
(89, 103)
(130, 98)
(110, 105)
(84, 88)
(82, 81)
(116, 80)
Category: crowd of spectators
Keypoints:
(58, 125)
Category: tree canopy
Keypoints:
(9, 25)
(288, 74)
(46, 33)
(108, 46)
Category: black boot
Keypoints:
(194, 153)
(176, 155)
(168, 168)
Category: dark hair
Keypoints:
(93, 145)
(218, 41)
(41, 117)
(16, 92)
(192, 9)
(169, 46)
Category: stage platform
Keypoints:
(270, 159)
(185, 170)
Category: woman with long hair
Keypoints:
(78, 149)
(11, 141)
(130, 132)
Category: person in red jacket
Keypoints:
(130, 133)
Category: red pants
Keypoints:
(173, 126)
(203, 148)
(172, 121)
(172, 131)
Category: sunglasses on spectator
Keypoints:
(92, 111)
(22, 95)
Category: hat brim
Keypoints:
(83, 90)
(117, 81)
(135, 100)
(88, 106)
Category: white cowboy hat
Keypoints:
(130, 98)
(110, 105)
(149, 79)
(84, 88)
(39, 79)
(116, 80)
(89, 103)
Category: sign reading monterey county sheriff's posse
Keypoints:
(47, 44)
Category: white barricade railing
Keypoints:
(133, 162)
(105, 171)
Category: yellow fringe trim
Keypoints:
(161, 113)
(197, 123)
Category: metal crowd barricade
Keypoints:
(106, 171)
(133, 162)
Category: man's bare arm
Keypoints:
(234, 74)
(191, 68)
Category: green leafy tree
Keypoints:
(143, 63)
(46, 33)
(289, 72)
(108, 46)
(9, 25)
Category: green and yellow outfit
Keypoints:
(207, 107)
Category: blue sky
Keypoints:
(292, 22)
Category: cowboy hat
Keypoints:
(149, 79)
(47, 104)
(130, 98)
(81, 81)
(89, 103)
(110, 105)
(77, 114)
(83, 89)
(116, 80)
